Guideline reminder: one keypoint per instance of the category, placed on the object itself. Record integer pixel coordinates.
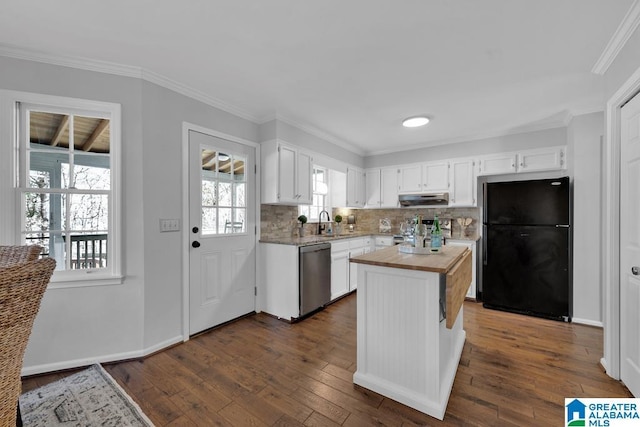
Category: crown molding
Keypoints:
(163, 81)
(311, 130)
(626, 28)
(125, 71)
(70, 61)
(167, 83)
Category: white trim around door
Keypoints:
(611, 226)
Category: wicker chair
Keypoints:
(21, 289)
(11, 255)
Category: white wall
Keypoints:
(584, 136)
(83, 325)
(500, 144)
(163, 112)
(79, 325)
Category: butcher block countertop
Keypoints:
(440, 262)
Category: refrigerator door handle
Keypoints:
(485, 256)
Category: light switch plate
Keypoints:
(169, 225)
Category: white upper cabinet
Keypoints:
(286, 174)
(304, 175)
(539, 159)
(496, 164)
(337, 188)
(410, 179)
(425, 177)
(372, 188)
(435, 176)
(542, 159)
(389, 188)
(355, 188)
(463, 182)
(381, 188)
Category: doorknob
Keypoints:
(195, 230)
(195, 244)
(635, 270)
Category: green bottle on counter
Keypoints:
(436, 235)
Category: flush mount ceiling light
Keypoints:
(223, 157)
(416, 121)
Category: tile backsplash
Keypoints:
(281, 221)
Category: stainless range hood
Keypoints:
(425, 199)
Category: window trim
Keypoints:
(9, 190)
(306, 209)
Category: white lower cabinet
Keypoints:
(356, 248)
(339, 268)
(344, 274)
(382, 242)
(471, 244)
(278, 293)
(368, 244)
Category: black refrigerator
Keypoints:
(527, 250)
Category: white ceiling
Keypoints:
(351, 69)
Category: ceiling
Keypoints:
(90, 134)
(349, 70)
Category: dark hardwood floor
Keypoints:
(259, 371)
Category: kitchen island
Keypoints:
(409, 324)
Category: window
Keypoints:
(67, 181)
(320, 191)
(223, 192)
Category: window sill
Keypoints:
(88, 279)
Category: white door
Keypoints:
(630, 246)
(222, 261)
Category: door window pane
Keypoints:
(239, 194)
(209, 221)
(224, 189)
(223, 192)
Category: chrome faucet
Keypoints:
(321, 227)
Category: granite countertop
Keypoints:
(440, 262)
(315, 238)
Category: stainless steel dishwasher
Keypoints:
(315, 276)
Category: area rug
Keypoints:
(88, 398)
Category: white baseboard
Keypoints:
(162, 345)
(76, 363)
(587, 322)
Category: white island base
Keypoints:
(404, 350)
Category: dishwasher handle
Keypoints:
(315, 247)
